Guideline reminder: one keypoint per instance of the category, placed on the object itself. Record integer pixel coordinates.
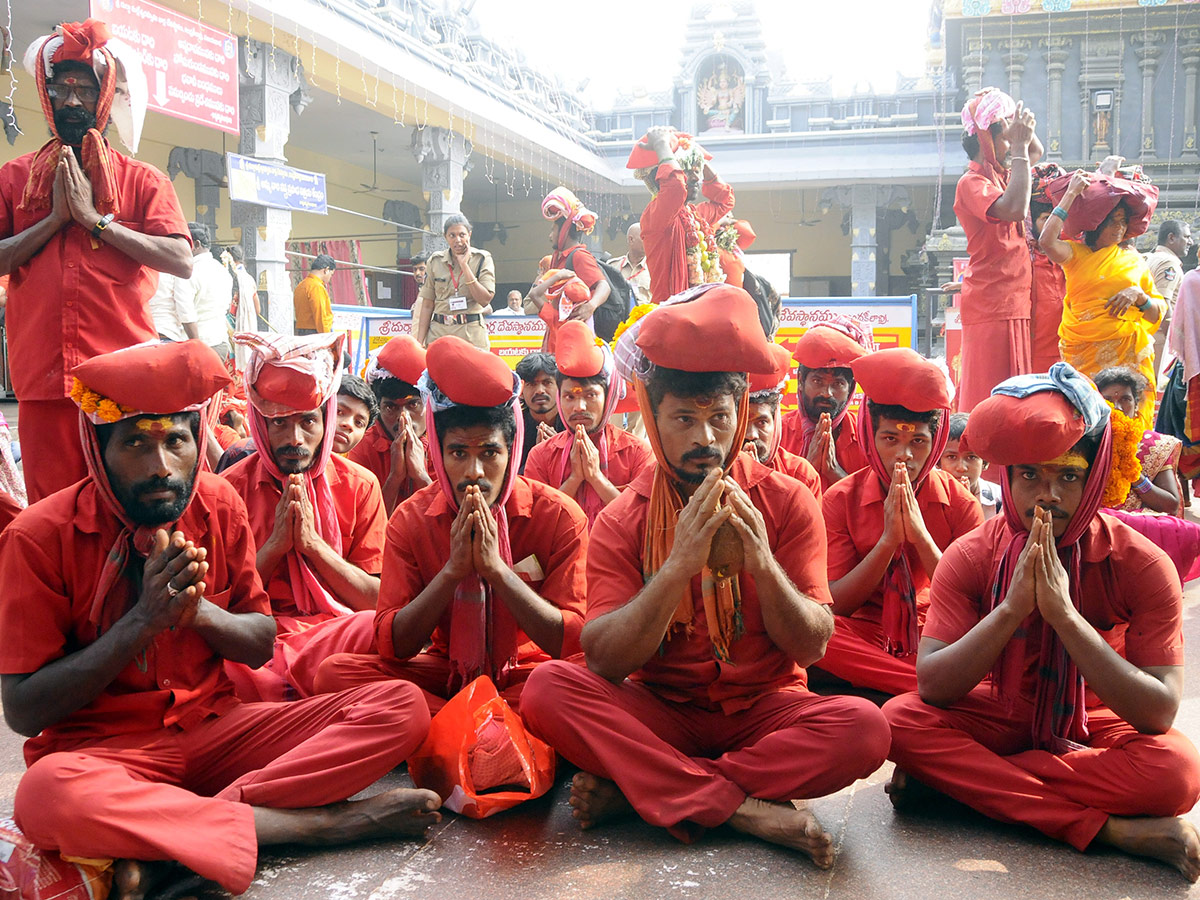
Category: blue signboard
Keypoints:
(271, 184)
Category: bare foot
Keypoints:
(906, 792)
(785, 824)
(595, 800)
(1173, 841)
(403, 812)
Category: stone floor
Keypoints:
(535, 851)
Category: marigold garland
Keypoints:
(1126, 467)
(94, 404)
(634, 314)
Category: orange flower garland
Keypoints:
(634, 314)
(94, 404)
(1126, 467)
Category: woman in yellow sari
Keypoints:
(1111, 309)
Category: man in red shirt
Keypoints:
(317, 518)
(83, 230)
(821, 430)
(889, 523)
(123, 595)
(593, 460)
(763, 431)
(483, 570)
(991, 202)
(394, 448)
(1051, 668)
(677, 228)
(706, 595)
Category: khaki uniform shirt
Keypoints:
(440, 288)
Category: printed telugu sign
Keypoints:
(191, 68)
(272, 184)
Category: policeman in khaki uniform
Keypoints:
(458, 289)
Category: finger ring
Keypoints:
(172, 592)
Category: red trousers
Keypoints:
(977, 751)
(51, 449)
(991, 352)
(430, 673)
(855, 653)
(686, 768)
(301, 645)
(188, 795)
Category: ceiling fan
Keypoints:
(497, 230)
(374, 187)
(803, 222)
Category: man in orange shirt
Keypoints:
(317, 518)
(763, 431)
(821, 430)
(593, 460)
(313, 307)
(483, 567)
(1052, 659)
(706, 595)
(123, 594)
(83, 230)
(395, 448)
(889, 523)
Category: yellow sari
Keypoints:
(1090, 338)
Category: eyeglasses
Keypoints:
(63, 91)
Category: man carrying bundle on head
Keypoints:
(821, 430)
(593, 460)
(1051, 667)
(123, 595)
(483, 570)
(677, 226)
(317, 518)
(395, 448)
(706, 596)
(890, 522)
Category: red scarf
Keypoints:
(899, 594)
(1060, 709)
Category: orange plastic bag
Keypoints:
(28, 873)
(478, 756)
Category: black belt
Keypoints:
(463, 319)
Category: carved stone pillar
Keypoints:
(1016, 52)
(445, 160)
(1101, 69)
(1190, 55)
(271, 84)
(973, 65)
(863, 201)
(1145, 45)
(207, 169)
(1057, 52)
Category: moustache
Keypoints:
(1054, 511)
(294, 452)
(154, 485)
(701, 453)
(485, 486)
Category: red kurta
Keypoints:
(854, 520)
(665, 224)
(685, 738)
(1049, 288)
(374, 452)
(799, 468)
(166, 763)
(978, 750)
(74, 299)
(846, 448)
(627, 456)
(996, 289)
(548, 537)
(304, 641)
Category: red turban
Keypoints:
(151, 378)
(1008, 431)
(718, 331)
(761, 383)
(468, 376)
(644, 157)
(402, 357)
(900, 376)
(822, 347)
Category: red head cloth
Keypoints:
(402, 357)
(763, 382)
(825, 347)
(1100, 198)
(901, 377)
(687, 151)
(286, 376)
(718, 331)
(561, 297)
(988, 106)
(483, 633)
(152, 378)
(581, 355)
(1035, 429)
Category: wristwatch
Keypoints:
(98, 228)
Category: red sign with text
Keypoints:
(191, 68)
